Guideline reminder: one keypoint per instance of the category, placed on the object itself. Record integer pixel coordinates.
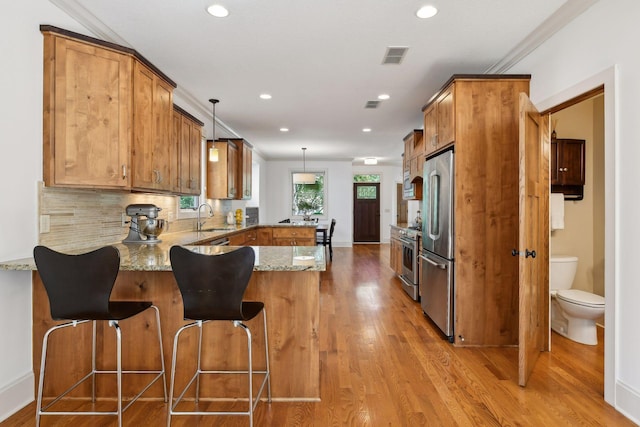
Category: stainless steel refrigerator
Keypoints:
(436, 259)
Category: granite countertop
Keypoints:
(155, 257)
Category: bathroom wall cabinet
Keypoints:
(567, 158)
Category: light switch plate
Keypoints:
(45, 223)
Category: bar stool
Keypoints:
(79, 287)
(212, 288)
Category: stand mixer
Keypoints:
(144, 230)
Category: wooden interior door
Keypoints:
(533, 239)
(366, 212)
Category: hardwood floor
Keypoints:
(384, 364)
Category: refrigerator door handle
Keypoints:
(434, 205)
(435, 264)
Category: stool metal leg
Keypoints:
(116, 327)
(266, 355)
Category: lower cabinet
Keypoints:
(265, 236)
(395, 251)
(294, 236)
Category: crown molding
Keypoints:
(554, 23)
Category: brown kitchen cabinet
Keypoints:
(107, 119)
(568, 167)
(395, 254)
(87, 114)
(241, 190)
(185, 153)
(265, 236)
(152, 122)
(439, 121)
(293, 236)
(222, 180)
(413, 160)
(486, 170)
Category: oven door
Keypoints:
(409, 261)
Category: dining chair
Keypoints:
(328, 240)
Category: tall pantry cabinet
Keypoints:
(477, 115)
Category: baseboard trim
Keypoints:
(628, 402)
(16, 396)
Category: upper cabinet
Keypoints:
(87, 116)
(152, 121)
(108, 117)
(413, 161)
(222, 174)
(568, 167)
(185, 153)
(230, 177)
(439, 121)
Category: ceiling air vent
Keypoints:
(394, 55)
(372, 104)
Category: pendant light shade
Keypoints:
(213, 151)
(304, 177)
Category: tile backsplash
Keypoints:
(80, 218)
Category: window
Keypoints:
(367, 178)
(309, 199)
(188, 202)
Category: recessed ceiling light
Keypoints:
(265, 96)
(366, 129)
(370, 161)
(383, 96)
(426, 12)
(218, 11)
(284, 129)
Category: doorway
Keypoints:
(606, 80)
(366, 212)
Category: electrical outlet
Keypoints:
(45, 224)
(123, 219)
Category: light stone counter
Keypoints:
(144, 257)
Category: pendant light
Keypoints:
(304, 177)
(213, 151)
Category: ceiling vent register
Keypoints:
(394, 55)
(372, 104)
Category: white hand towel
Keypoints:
(556, 209)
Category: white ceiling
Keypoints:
(321, 61)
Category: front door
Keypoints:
(533, 239)
(366, 212)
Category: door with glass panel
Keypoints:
(366, 212)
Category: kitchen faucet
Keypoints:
(200, 224)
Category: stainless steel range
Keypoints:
(410, 278)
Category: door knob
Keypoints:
(527, 253)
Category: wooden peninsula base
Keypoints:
(292, 302)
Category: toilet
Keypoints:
(573, 311)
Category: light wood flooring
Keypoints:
(384, 364)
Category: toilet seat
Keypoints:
(579, 297)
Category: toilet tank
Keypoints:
(562, 271)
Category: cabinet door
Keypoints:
(232, 171)
(446, 119)
(246, 171)
(264, 237)
(572, 162)
(153, 113)
(195, 156)
(87, 115)
(430, 136)
(176, 153)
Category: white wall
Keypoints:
(20, 169)
(603, 37)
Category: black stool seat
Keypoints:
(78, 288)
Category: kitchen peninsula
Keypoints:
(285, 278)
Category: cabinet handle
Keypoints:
(124, 171)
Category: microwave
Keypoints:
(408, 188)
